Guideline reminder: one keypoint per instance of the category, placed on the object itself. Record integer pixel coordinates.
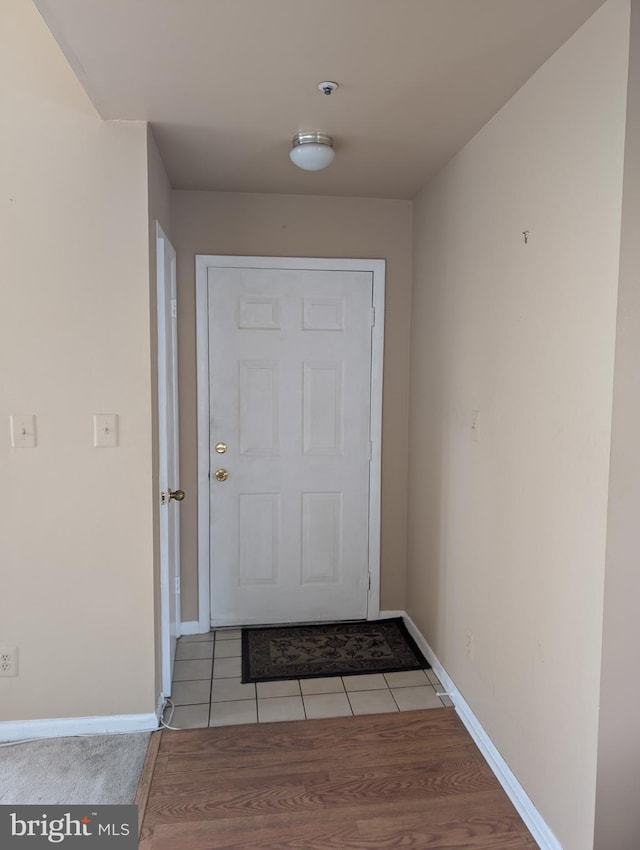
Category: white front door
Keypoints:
(169, 470)
(290, 440)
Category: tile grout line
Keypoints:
(393, 697)
(304, 707)
(213, 658)
(353, 714)
(255, 686)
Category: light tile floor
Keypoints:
(207, 690)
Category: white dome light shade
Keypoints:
(312, 151)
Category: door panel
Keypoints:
(259, 407)
(290, 376)
(259, 535)
(321, 537)
(323, 414)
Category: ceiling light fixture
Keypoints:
(312, 151)
(327, 87)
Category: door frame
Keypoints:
(166, 376)
(377, 270)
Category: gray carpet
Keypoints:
(73, 771)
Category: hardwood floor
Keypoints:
(410, 780)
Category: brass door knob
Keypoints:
(221, 474)
(178, 495)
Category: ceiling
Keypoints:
(227, 83)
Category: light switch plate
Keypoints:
(23, 431)
(105, 430)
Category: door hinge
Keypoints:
(370, 450)
(373, 317)
(369, 581)
(174, 308)
(177, 585)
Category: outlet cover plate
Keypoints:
(8, 661)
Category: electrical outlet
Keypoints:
(470, 644)
(8, 660)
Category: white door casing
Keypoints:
(168, 447)
(290, 379)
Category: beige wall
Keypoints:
(297, 225)
(76, 525)
(507, 534)
(159, 201)
(617, 810)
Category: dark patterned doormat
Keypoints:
(328, 649)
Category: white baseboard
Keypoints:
(388, 615)
(63, 727)
(534, 821)
(191, 627)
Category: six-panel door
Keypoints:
(290, 367)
